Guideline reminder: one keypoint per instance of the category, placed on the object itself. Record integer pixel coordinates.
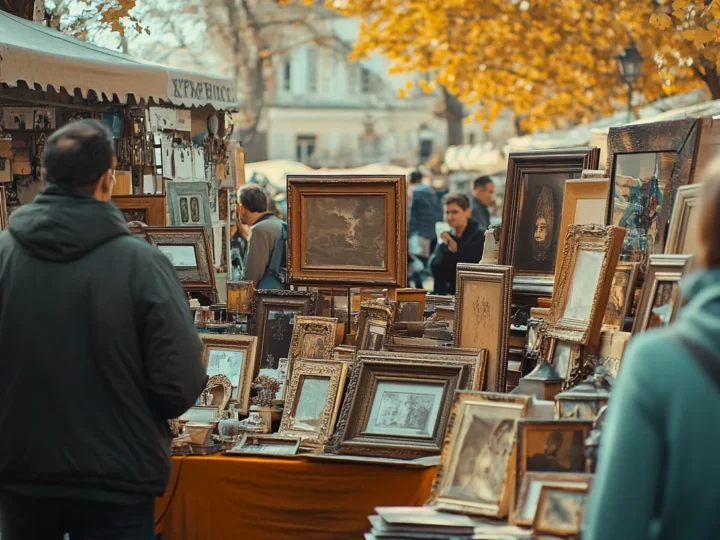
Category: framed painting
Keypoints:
(313, 338)
(374, 322)
(622, 295)
(201, 415)
(585, 203)
(476, 470)
(591, 256)
(560, 510)
(551, 446)
(683, 235)
(647, 163)
(534, 192)
(312, 401)
(189, 204)
(218, 391)
(410, 304)
(147, 209)
(188, 249)
(240, 297)
(532, 483)
(265, 445)
(564, 357)
(482, 316)
(273, 321)
(235, 357)
(347, 230)
(396, 409)
(660, 297)
(3, 209)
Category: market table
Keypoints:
(227, 497)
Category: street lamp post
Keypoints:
(630, 64)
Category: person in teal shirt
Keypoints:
(659, 462)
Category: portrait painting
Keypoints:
(407, 409)
(311, 402)
(277, 337)
(531, 487)
(228, 363)
(345, 231)
(539, 227)
(180, 256)
(474, 475)
(588, 268)
(621, 296)
(312, 347)
(663, 304)
(552, 446)
(560, 510)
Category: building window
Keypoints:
(287, 76)
(305, 147)
(312, 66)
(426, 148)
(365, 81)
(471, 138)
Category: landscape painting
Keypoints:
(345, 231)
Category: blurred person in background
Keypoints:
(425, 210)
(462, 244)
(483, 198)
(659, 446)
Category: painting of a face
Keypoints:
(555, 449)
(538, 229)
(345, 231)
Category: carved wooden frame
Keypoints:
(326, 327)
(575, 190)
(335, 372)
(369, 370)
(516, 407)
(3, 209)
(153, 205)
(496, 378)
(224, 382)
(246, 344)
(633, 270)
(537, 526)
(480, 356)
(677, 137)
(410, 296)
(575, 360)
(608, 241)
(201, 278)
(687, 199)
(552, 478)
(665, 268)
(558, 160)
(373, 312)
(393, 188)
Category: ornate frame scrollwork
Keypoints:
(373, 312)
(580, 238)
(223, 382)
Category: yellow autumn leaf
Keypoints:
(661, 21)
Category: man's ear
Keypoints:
(105, 186)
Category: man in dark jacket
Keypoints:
(483, 197)
(463, 245)
(425, 210)
(111, 354)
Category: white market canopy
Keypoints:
(37, 55)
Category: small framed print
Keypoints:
(266, 445)
(622, 295)
(233, 356)
(531, 485)
(560, 510)
(240, 297)
(201, 415)
(564, 356)
(410, 304)
(374, 323)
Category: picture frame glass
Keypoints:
(532, 491)
(375, 336)
(409, 311)
(404, 409)
(588, 266)
(311, 403)
(663, 303)
(561, 511)
(180, 256)
(228, 362)
(562, 358)
(345, 231)
(277, 337)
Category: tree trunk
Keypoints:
(454, 118)
(713, 82)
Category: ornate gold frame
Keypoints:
(335, 372)
(665, 268)
(516, 407)
(607, 240)
(240, 297)
(325, 327)
(369, 370)
(686, 199)
(223, 382)
(551, 478)
(633, 270)
(373, 312)
(497, 360)
(393, 188)
(246, 344)
(575, 360)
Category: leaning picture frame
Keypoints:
(313, 338)
(189, 204)
(531, 484)
(410, 304)
(683, 234)
(265, 445)
(240, 297)
(396, 409)
(533, 202)
(347, 230)
(622, 296)
(581, 296)
(560, 511)
(234, 356)
(482, 316)
(661, 295)
(3, 209)
(312, 402)
(374, 322)
(147, 209)
(476, 470)
(188, 249)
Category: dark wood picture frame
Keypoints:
(152, 205)
(3, 209)
(393, 188)
(569, 162)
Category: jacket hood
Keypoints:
(700, 318)
(59, 226)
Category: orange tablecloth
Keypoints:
(228, 498)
